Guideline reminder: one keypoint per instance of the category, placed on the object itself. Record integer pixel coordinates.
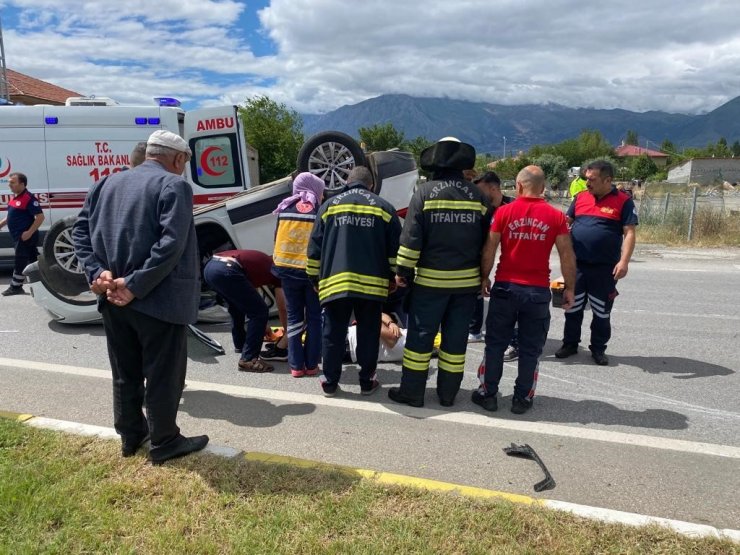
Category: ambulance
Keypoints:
(63, 150)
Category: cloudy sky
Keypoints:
(317, 55)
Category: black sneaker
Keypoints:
(520, 406)
(274, 352)
(13, 290)
(329, 389)
(600, 358)
(511, 353)
(488, 403)
(568, 349)
(369, 389)
(394, 394)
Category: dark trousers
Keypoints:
(229, 280)
(149, 359)
(594, 283)
(304, 314)
(430, 310)
(25, 254)
(512, 305)
(336, 319)
(476, 323)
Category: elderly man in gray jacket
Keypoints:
(136, 240)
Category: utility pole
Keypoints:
(504, 147)
(4, 89)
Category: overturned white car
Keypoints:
(243, 221)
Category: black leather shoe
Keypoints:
(568, 349)
(600, 358)
(13, 290)
(130, 447)
(178, 448)
(488, 403)
(446, 402)
(394, 394)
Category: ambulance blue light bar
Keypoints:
(153, 121)
(51, 121)
(167, 101)
(140, 121)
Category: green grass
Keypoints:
(68, 494)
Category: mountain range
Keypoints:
(484, 125)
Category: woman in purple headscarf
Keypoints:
(296, 215)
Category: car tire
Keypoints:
(331, 155)
(58, 264)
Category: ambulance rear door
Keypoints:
(219, 167)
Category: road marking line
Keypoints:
(678, 314)
(473, 419)
(389, 478)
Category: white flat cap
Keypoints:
(170, 140)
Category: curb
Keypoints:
(386, 478)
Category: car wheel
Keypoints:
(59, 249)
(331, 155)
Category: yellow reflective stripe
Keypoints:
(418, 366)
(408, 253)
(392, 261)
(406, 262)
(296, 262)
(357, 209)
(448, 367)
(412, 355)
(451, 358)
(352, 286)
(454, 205)
(449, 274)
(447, 283)
(362, 278)
(313, 262)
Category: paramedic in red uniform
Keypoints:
(23, 221)
(526, 229)
(603, 231)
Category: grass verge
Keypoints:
(69, 494)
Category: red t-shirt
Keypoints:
(528, 228)
(256, 266)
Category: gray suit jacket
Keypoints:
(139, 225)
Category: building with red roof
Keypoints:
(27, 90)
(633, 151)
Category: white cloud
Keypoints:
(665, 55)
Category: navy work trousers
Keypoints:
(304, 314)
(594, 283)
(527, 307)
(245, 302)
(25, 254)
(336, 320)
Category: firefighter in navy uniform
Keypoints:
(440, 252)
(352, 260)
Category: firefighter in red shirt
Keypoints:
(526, 229)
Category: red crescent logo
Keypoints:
(6, 172)
(204, 161)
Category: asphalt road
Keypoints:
(655, 432)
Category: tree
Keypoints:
(507, 168)
(643, 167)
(736, 149)
(276, 132)
(632, 138)
(555, 168)
(381, 137)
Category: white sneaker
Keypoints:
(475, 338)
(511, 353)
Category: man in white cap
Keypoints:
(136, 240)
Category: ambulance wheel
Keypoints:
(331, 155)
(59, 248)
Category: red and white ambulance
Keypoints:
(63, 150)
